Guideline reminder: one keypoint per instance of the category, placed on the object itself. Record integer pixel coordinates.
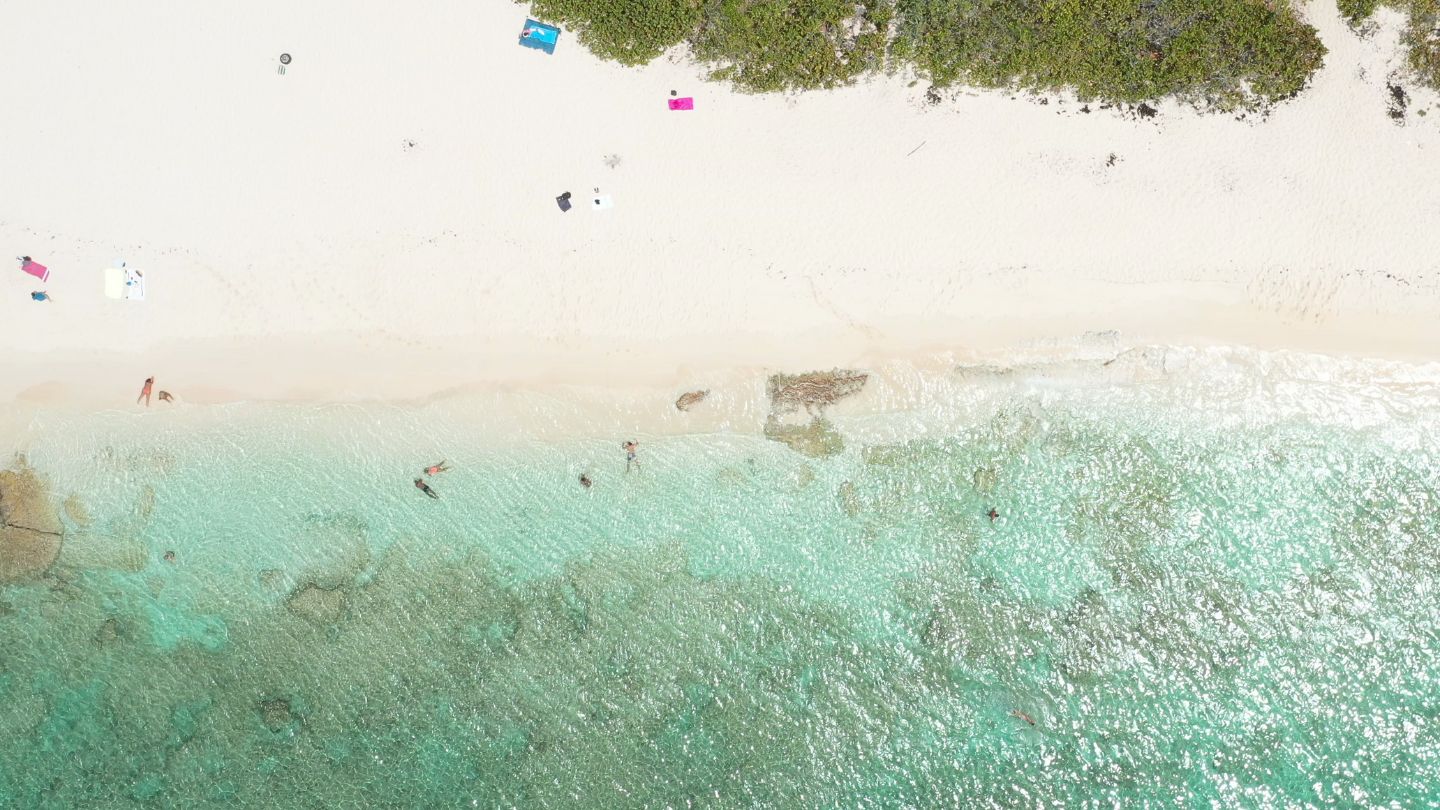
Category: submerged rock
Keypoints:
(817, 439)
(110, 631)
(76, 511)
(812, 391)
(275, 714)
(339, 550)
(24, 501)
(849, 498)
(26, 554)
(318, 605)
(272, 578)
(147, 502)
(89, 552)
(691, 399)
(984, 479)
(885, 455)
(30, 526)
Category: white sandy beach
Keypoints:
(296, 244)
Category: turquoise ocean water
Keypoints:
(1213, 582)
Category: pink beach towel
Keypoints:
(36, 269)
(686, 103)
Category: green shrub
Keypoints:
(631, 32)
(1422, 39)
(1357, 11)
(1223, 53)
(769, 45)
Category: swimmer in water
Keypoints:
(585, 481)
(425, 488)
(992, 514)
(170, 556)
(1019, 715)
(436, 469)
(631, 448)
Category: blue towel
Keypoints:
(536, 34)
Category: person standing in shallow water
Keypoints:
(145, 391)
(631, 448)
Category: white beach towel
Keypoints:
(134, 284)
(114, 283)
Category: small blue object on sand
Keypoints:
(536, 34)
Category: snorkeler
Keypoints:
(585, 481)
(1019, 715)
(425, 488)
(435, 469)
(992, 514)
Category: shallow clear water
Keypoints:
(1213, 580)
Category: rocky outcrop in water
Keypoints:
(816, 438)
(109, 632)
(690, 400)
(76, 511)
(30, 528)
(318, 605)
(275, 714)
(811, 393)
(88, 551)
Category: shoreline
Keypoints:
(322, 368)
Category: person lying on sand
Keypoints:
(425, 488)
(436, 469)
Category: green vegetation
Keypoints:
(1355, 11)
(631, 32)
(766, 45)
(1220, 53)
(1421, 38)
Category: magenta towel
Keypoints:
(37, 270)
(686, 103)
